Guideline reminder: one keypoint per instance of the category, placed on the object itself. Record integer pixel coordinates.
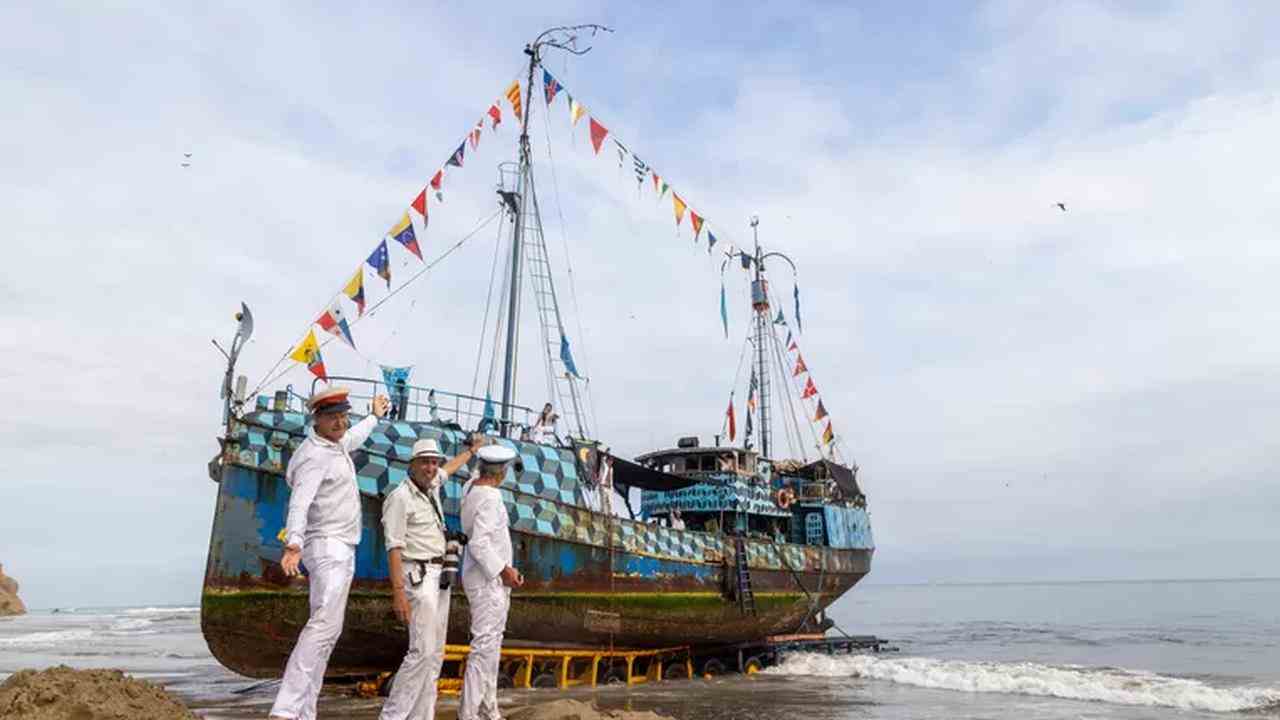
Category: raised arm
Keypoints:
(360, 432)
(457, 461)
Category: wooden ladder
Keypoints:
(746, 598)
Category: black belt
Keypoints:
(422, 569)
(437, 560)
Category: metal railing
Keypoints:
(421, 404)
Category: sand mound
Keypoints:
(10, 604)
(62, 693)
(574, 710)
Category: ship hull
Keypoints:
(591, 579)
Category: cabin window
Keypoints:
(813, 534)
(708, 463)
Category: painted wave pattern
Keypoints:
(1108, 685)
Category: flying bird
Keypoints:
(186, 154)
(186, 164)
(1061, 207)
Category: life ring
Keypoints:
(784, 497)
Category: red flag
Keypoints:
(793, 346)
(733, 426)
(697, 224)
(655, 181)
(800, 366)
(420, 203)
(495, 113)
(598, 133)
(809, 389)
(437, 181)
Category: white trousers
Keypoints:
(413, 692)
(489, 600)
(330, 566)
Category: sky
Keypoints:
(1030, 394)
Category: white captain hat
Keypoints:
(495, 455)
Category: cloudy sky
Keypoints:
(1031, 394)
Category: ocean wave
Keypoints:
(131, 624)
(52, 638)
(162, 611)
(1109, 685)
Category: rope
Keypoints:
(488, 306)
(426, 268)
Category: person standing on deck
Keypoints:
(413, 524)
(487, 578)
(323, 529)
(544, 430)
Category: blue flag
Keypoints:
(724, 311)
(711, 241)
(490, 421)
(566, 357)
(394, 376)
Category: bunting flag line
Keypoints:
(809, 390)
(724, 311)
(751, 392)
(381, 262)
(821, 413)
(475, 135)
(456, 158)
(567, 358)
(697, 225)
(711, 241)
(622, 152)
(576, 111)
(656, 179)
(679, 207)
(641, 170)
(665, 188)
(308, 351)
(828, 435)
(513, 97)
(495, 115)
(800, 366)
(598, 133)
(334, 322)
(733, 427)
(355, 290)
(403, 234)
(550, 86)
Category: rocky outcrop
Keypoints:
(9, 602)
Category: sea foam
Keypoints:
(1109, 685)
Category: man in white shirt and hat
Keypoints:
(413, 524)
(487, 578)
(322, 530)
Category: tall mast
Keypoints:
(760, 303)
(517, 240)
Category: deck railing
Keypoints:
(422, 404)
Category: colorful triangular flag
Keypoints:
(821, 413)
(656, 179)
(809, 389)
(550, 86)
(334, 322)
(437, 184)
(665, 188)
(379, 260)
(308, 351)
(456, 158)
(711, 241)
(474, 135)
(495, 115)
(724, 311)
(567, 358)
(513, 97)
(828, 435)
(800, 366)
(420, 203)
(697, 224)
(679, 207)
(598, 133)
(781, 319)
(751, 391)
(403, 234)
(355, 290)
(622, 152)
(576, 111)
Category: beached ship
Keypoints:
(761, 545)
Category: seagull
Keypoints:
(1061, 207)
(186, 154)
(186, 164)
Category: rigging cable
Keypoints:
(369, 312)
(573, 289)
(488, 307)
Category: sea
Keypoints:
(1122, 650)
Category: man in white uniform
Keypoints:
(487, 578)
(413, 524)
(322, 530)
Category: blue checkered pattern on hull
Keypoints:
(545, 499)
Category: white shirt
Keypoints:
(543, 434)
(411, 523)
(324, 500)
(484, 520)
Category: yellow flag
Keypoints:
(679, 207)
(828, 435)
(307, 350)
(355, 289)
(513, 96)
(576, 111)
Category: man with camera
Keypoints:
(421, 567)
